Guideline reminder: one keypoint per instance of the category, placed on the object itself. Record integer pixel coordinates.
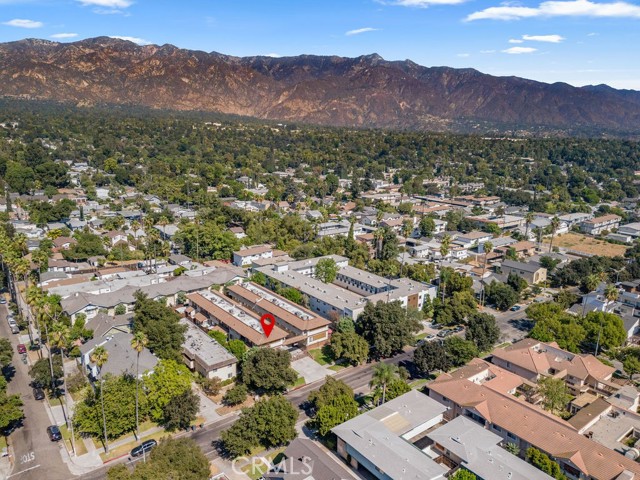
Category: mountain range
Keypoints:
(366, 91)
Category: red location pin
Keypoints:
(267, 321)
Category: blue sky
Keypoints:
(575, 41)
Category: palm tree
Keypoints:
(163, 222)
(528, 218)
(138, 343)
(488, 248)
(60, 339)
(99, 357)
(445, 276)
(591, 282)
(538, 233)
(378, 235)
(383, 375)
(555, 223)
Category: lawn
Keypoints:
(322, 355)
(258, 468)
(81, 449)
(337, 367)
(419, 383)
(586, 244)
(420, 336)
(298, 383)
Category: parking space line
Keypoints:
(23, 471)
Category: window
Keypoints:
(496, 427)
(511, 436)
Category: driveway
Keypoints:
(513, 325)
(310, 370)
(35, 456)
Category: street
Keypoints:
(356, 378)
(513, 325)
(35, 456)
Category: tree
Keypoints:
(181, 411)
(483, 331)
(631, 365)
(88, 245)
(326, 270)
(459, 351)
(462, 474)
(430, 356)
(549, 263)
(268, 370)
(337, 410)
(237, 348)
(10, 408)
(118, 396)
(331, 388)
(396, 388)
(605, 330)
(349, 346)
(138, 343)
(445, 246)
(210, 386)
(168, 380)
(488, 248)
(512, 448)
(40, 372)
(269, 423)
(6, 352)
(172, 459)
(161, 326)
(345, 325)
(236, 395)
(383, 375)
(427, 226)
(591, 282)
(516, 282)
(555, 394)
(502, 295)
(387, 327)
(542, 462)
(293, 294)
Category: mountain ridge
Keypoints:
(363, 91)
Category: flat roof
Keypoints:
(198, 345)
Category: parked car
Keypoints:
(3, 301)
(38, 393)
(431, 336)
(54, 433)
(11, 321)
(144, 447)
(515, 308)
(15, 329)
(459, 328)
(22, 348)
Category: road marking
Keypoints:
(23, 471)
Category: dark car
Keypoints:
(144, 447)
(515, 308)
(38, 393)
(459, 328)
(22, 348)
(54, 433)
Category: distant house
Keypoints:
(467, 240)
(238, 232)
(244, 257)
(205, 355)
(532, 272)
(596, 226)
(631, 229)
(64, 243)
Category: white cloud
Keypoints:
(592, 34)
(487, 51)
(273, 55)
(544, 38)
(515, 40)
(23, 23)
(519, 50)
(64, 35)
(463, 55)
(358, 31)
(555, 8)
(139, 41)
(107, 3)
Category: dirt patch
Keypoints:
(226, 409)
(586, 244)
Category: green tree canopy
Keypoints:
(326, 270)
(268, 370)
(387, 327)
(161, 326)
(483, 331)
(169, 379)
(349, 346)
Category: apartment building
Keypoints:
(244, 257)
(214, 310)
(595, 226)
(205, 355)
(531, 359)
(486, 399)
(532, 272)
(301, 322)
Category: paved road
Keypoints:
(36, 457)
(513, 325)
(357, 378)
